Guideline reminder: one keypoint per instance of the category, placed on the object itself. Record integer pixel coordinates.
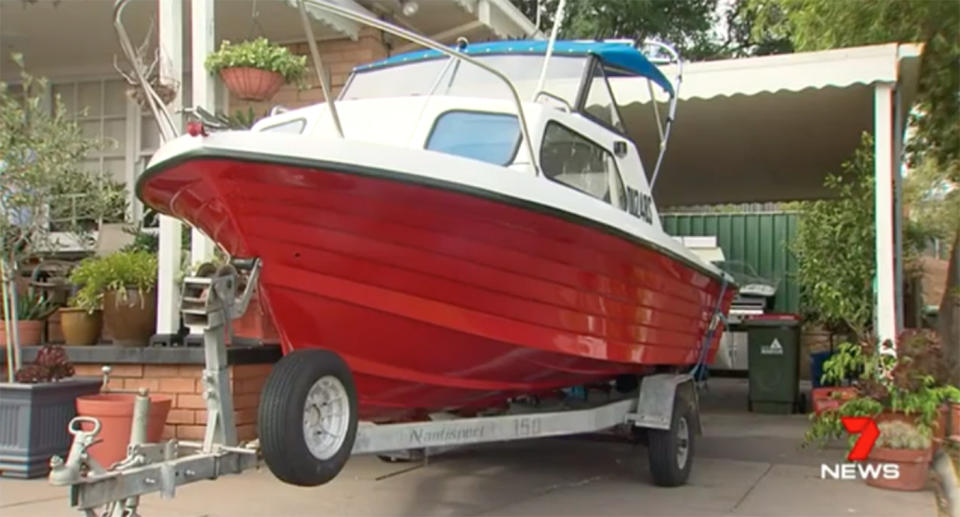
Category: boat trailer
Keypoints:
(665, 409)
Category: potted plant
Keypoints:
(36, 410)
(124, 284)
(909, 448)
(908, 383)
(81, 321)
(32, 310)
(255, 70)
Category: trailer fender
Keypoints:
(656, 400)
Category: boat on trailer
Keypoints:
(463, 230)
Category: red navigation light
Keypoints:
(196, 128)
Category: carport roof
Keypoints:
(767, 128)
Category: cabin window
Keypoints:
(575, 161)
(488, 137)
(462, 79)
(294, 126)
(599, 102)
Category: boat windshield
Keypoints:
(462, 79)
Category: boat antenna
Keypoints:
(318, 65)
(558, 20)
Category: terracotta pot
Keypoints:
(115, 412)
(30, 333)
(79, 327)
(251, 84)
(955, 419)
(914, 467)
(255, 327)
(831, 397)
(130, 319)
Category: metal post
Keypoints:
(885, 313)
(898, 206)
(318, 66)
(557, 22)
(202, 37)
(171, 70)
(216, 391)
(138, 436)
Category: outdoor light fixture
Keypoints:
(409, 7)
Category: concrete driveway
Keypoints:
(746, 464)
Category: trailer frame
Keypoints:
(209, 303)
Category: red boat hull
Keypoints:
(438, 298)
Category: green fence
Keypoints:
(759, 239)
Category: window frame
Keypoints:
(613, 158)
(516, 146)
(581, 105)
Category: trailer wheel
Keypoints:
(671, 451)
(308, 417)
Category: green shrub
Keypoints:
(261, 54)
(117, 272)
(33, 307)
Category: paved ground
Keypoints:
(746, 465)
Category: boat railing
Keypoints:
(663, 128)
(424, 41)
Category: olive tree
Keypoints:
(41, 153)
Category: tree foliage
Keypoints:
(835, 247)
(687, 24)
(41, 154)
(826, 24)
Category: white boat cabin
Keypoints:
(426, 100)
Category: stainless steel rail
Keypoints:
(439, 47)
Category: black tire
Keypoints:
(664, 445)
(280, 419)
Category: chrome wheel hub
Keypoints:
(683, 442)
(326, 417)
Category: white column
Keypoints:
(885, 311)
(898, 204)
(202, 38)
(171, 68)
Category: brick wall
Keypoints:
(183, 384)
(339, 56)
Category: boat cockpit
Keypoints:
(563, 122)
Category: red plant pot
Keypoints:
(255, 326)
(115, 413)
(955, 420)
(939, 432)
(251, 84)
(914, 468)
(831, 397)
(30, 333)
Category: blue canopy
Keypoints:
(620, 55)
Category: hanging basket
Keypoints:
(166, 92)
(251, 84)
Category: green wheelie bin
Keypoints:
(773, 342)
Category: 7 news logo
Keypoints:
(869, 432)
